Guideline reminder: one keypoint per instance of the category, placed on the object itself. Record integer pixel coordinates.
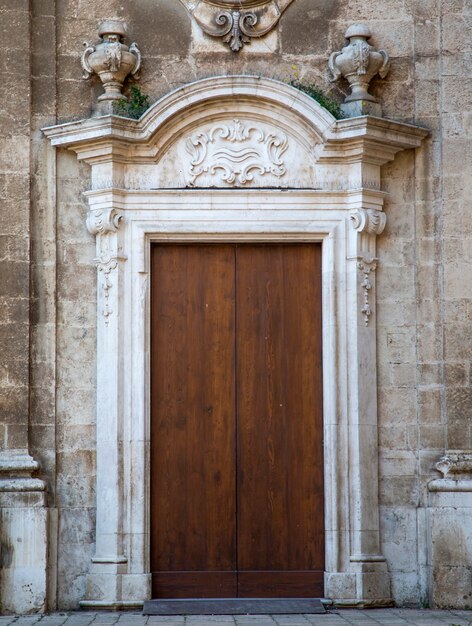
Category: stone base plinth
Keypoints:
(24, 545)
(361, 107)
(115, 591)
(450, 522)
(366, 585)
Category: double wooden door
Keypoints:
(236, 454)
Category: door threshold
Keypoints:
(234, 606)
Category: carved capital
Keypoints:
(369, 221)
(366, 265)
(455, 465)
(236, 22)
(103, 221)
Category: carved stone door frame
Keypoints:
(327, 180)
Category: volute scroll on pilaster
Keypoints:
(103, 221)
(369, 221)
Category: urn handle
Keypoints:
(383, 71)
(335, 71)
(88, 71)
(137, 53)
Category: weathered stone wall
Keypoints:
(424, 276)
(15, 173)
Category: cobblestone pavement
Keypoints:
(384, 617)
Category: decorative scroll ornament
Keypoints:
(106, 264)
(369, 221)
(238, 28)
(366, 265)
(455, 465)
(103, 221)
(236, 22)
(235, 154)
(111, 59)
(359, 62)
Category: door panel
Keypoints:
(193, 516)
(237, 452)
(279, 418)
(280, 584)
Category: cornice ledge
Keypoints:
(372, 139)
(93, 130)
(449, 485)
(388, 132)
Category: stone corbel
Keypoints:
(369, 221)
(236, 22)
(103, 221)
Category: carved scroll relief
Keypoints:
(236, 22)
(236, 154)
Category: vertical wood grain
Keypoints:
(193, 514)
(237, 503)
(279, 410)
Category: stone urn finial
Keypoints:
(359, 62)
(111, 59)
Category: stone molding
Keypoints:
(337, 200)
(17, 464)
(236, 22)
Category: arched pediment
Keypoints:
(240, 131)
(234, 131)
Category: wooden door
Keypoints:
(236, 453)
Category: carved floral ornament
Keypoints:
(236, 22)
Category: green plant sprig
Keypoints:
(318, 94)
(137, 104)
